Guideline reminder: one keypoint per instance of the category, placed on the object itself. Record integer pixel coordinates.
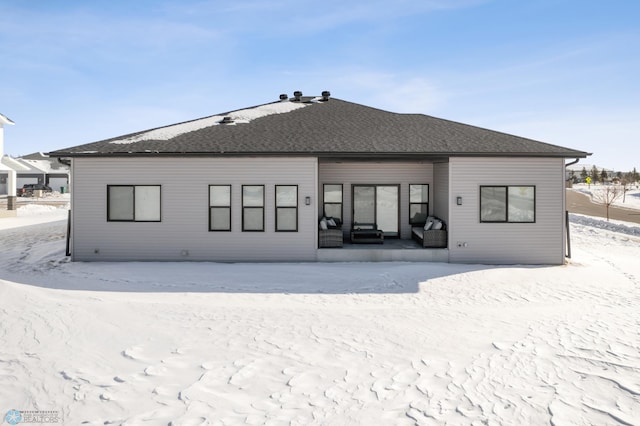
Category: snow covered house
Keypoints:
(46, 170)
(254, 184)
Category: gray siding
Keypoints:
(403, 173)
(541, 242)
(441, 191)
(22, 181)
(184, 225)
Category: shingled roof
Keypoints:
(322, 128)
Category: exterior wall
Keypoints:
(541, 242)
(184, 210)
(58, 182)
(403, 173)
(23, 180)
(441, 191)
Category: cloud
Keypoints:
(310, 16)
(63, 30)
(397, 92)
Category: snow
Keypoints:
(631, 199)
(242, 116)
(352, 343)
(32, 214)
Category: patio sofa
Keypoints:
(330, 232)
(432, 235)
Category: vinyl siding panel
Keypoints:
(441, 197)
(541, 242)
(184, 210)
(402, 173)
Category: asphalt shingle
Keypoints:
(324, 129)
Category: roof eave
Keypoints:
(567, 154)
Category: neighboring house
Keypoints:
(50, 171)
(7, 167)
(34, 168)
(252, 185)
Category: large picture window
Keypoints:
(332, 199)
(418, 204)
(133, 203)
(253, 207)
(511, 204)
(286, 208)
(219, 207)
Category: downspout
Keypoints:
(566, 216)
(68, 245)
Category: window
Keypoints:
(253, 207)
(377, 204)
(513, 204)
(286, 208)
(332, 200)
(219, 207)
(418, 204)
(133, 203)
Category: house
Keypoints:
(44, 169)
(7, 172)
(34, 168)
(253, 184)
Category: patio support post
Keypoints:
(11, 190)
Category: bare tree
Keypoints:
(607, 195)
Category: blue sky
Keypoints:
(561, 71)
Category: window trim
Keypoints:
(252, 208)
(276, 207)
(134, 203)
(341, 203)
(425, 203)
(219, 207)
(506, 188)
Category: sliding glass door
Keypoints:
(377, 204)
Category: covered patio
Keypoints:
(392, 250)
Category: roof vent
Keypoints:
(325, 95)
(226, 120)
(284, 97)
(297, 96)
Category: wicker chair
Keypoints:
(433, 238)
(331, 237)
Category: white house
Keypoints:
(7, 171)
(252, 185)
(45, 170)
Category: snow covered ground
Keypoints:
(631, 199)
(352, 343)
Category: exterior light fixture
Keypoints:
(307, 200)
(459, 200)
